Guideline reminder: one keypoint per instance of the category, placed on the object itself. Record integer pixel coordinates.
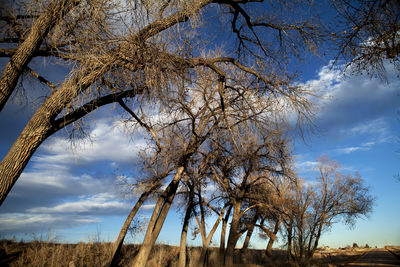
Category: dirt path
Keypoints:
(376, 257)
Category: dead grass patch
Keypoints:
(39, 253)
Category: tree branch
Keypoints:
(91, 106)
(148, 128)
(42, 79)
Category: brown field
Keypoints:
(395, 250)
(98, 254)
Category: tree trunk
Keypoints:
(207, 241)
(39, 128)
(233, 235)
(46, 21)
(271, 240)
(316, 241)
(243, 251)
(157, 220)
(182, 247)
(289, 244)
(120, 240)
(223, 231)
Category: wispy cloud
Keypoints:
(375, 131)
(60, 189)
(379, 126)
(97, 204)
(348, 150)
(27, 223)
(344, 102)
(305, 166)
(109, 141)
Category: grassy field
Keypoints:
(395, 250)
(98, 254)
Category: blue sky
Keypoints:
(71, 189)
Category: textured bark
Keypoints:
(39, 127)
(41, 124)
(20, 59)
(120, 240)
(157, 220)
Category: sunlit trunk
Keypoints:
(23, 55)
(157, 220)
(120, 240)
(40, 127)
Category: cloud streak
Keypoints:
(347, 101)
(65, 188)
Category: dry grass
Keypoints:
(53, 254)
(395, 250)
(38, 253)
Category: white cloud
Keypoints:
(101, 203)
(109, 142)
(148, 206)
(25, 223)
(64, 187)
(375, 131)
(63, 181)
(344, 101)
(305, 166)
(348, 150)
(377, 126)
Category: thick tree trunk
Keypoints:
(120, 240)
(233, 235)
(46, 21)
(182, 247)
(157, 220)
(271, 240)
(39, 128)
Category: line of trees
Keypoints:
(135, 50)
(216, 114)
(229, 155)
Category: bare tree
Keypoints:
(31, 43)
(335, 197)
(150, 187)
(248, 161)
(140, 49)
(367, 33)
